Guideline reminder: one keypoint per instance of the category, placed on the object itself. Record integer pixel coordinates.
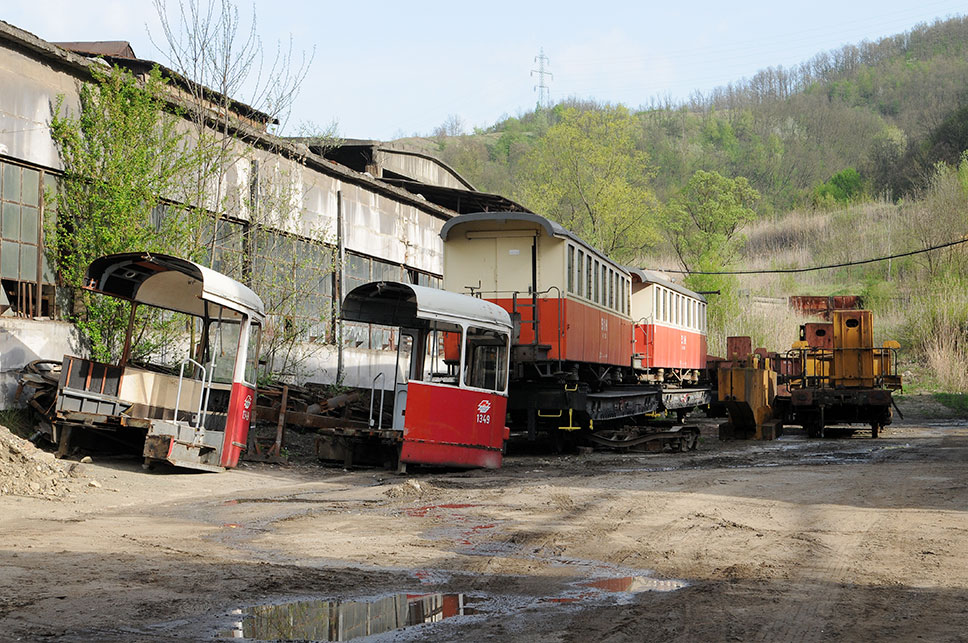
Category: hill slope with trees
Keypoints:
(855, 153)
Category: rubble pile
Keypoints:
(26, 470)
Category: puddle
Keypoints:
(635, 584)
(343, 620)
(335, 620)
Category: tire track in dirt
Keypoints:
(802, 613)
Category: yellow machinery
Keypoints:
(843, 378)
(747, 388)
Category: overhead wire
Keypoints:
(845, 264)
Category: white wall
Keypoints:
(24, 340)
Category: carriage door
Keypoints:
(404, 372)
(515, 270)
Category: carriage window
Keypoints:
(581, 273)
(604, 300)
(611, 289)
(404, 350)
(442, 358)
(588, 277)
(595, 287)
(487, 359)
(571, 268)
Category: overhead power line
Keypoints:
(815, 268)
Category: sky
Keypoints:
(389, 69)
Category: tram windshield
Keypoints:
(486, 356)
(443, 353)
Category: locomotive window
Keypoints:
(487, 359)
(571, 268)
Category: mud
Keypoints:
(793, 540)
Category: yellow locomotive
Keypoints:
(842, 378)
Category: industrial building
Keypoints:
(377, 207)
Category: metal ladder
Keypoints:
(534, 312)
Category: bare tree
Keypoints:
(232, 93)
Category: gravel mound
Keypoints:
(26, 470)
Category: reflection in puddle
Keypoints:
(344, 620)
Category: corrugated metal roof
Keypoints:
(460, 201)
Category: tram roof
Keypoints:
(552, 228)
(171, 283)
(652, 277)
(393, 303)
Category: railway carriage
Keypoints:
(670, 329)
(574, 361)
(569, 302)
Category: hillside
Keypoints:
(854, 154)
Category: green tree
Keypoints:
(119, 154)
(587, 174)
(843, 187)
(702, 223)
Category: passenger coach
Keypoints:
(670, 329)
(570, 302)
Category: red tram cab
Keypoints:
(450, 389)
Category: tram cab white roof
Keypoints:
(172, 283)
(393, 303)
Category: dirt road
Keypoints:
(793, 540)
